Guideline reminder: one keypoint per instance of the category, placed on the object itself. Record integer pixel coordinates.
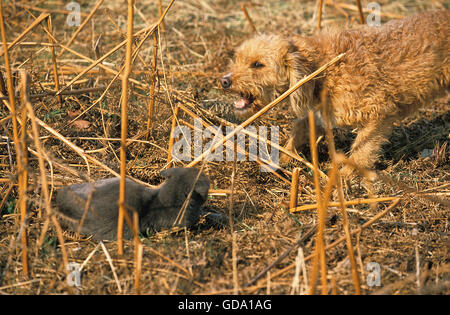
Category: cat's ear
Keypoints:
(169, 172)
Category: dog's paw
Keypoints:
(284, 159)
(347, 172)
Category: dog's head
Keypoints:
(264, 67)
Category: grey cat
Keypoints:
(157, 208)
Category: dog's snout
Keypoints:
(226, 82)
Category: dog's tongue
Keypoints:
(242, 103)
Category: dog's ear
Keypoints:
(297, 67)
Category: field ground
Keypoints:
(410, 244)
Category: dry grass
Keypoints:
(80, 141)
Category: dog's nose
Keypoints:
(226, 82)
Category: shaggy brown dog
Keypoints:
(386, 74)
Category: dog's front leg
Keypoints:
(300, 136)
(366, 147)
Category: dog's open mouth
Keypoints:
(245, 102)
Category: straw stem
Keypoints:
(124, 126)
(320, 243)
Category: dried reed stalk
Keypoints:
(354, 202)
(368, 223)
(3, 85)
(56, 42)
(303, 239)
(408, 190)
(263, 162)
(182, 212)
(108, 258)
(334, 290)
(104, 67)
(169, 260)
(299, 265)
(78, 150)
(71, 92)
(83, 154)
(222, 192)
(355, 8)
(249, 20)
(92, 65)
(360, 11)
(52, 51)
(265, 109)
(268, 142)
(85, 212)
(234, 263)
(342, 11)
(138, 248)
(9, 82)
(320, 242)
(36, 22)
(82, 25)
(21, 171)
(98, 54)
(336, 175)
(319, 13)
(124, 126)
(272, 168)
(23, 175)
(35, 8)
(294, 188)
(348, 238)
(148, 31)
(151, 104)
(160, 12)
(6, 193)
(171, 138)
(34, 120)
(230, 217)
(342, 239)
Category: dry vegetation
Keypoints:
(410, 243)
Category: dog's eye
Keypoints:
(256, 64)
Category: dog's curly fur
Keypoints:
(386, 74)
